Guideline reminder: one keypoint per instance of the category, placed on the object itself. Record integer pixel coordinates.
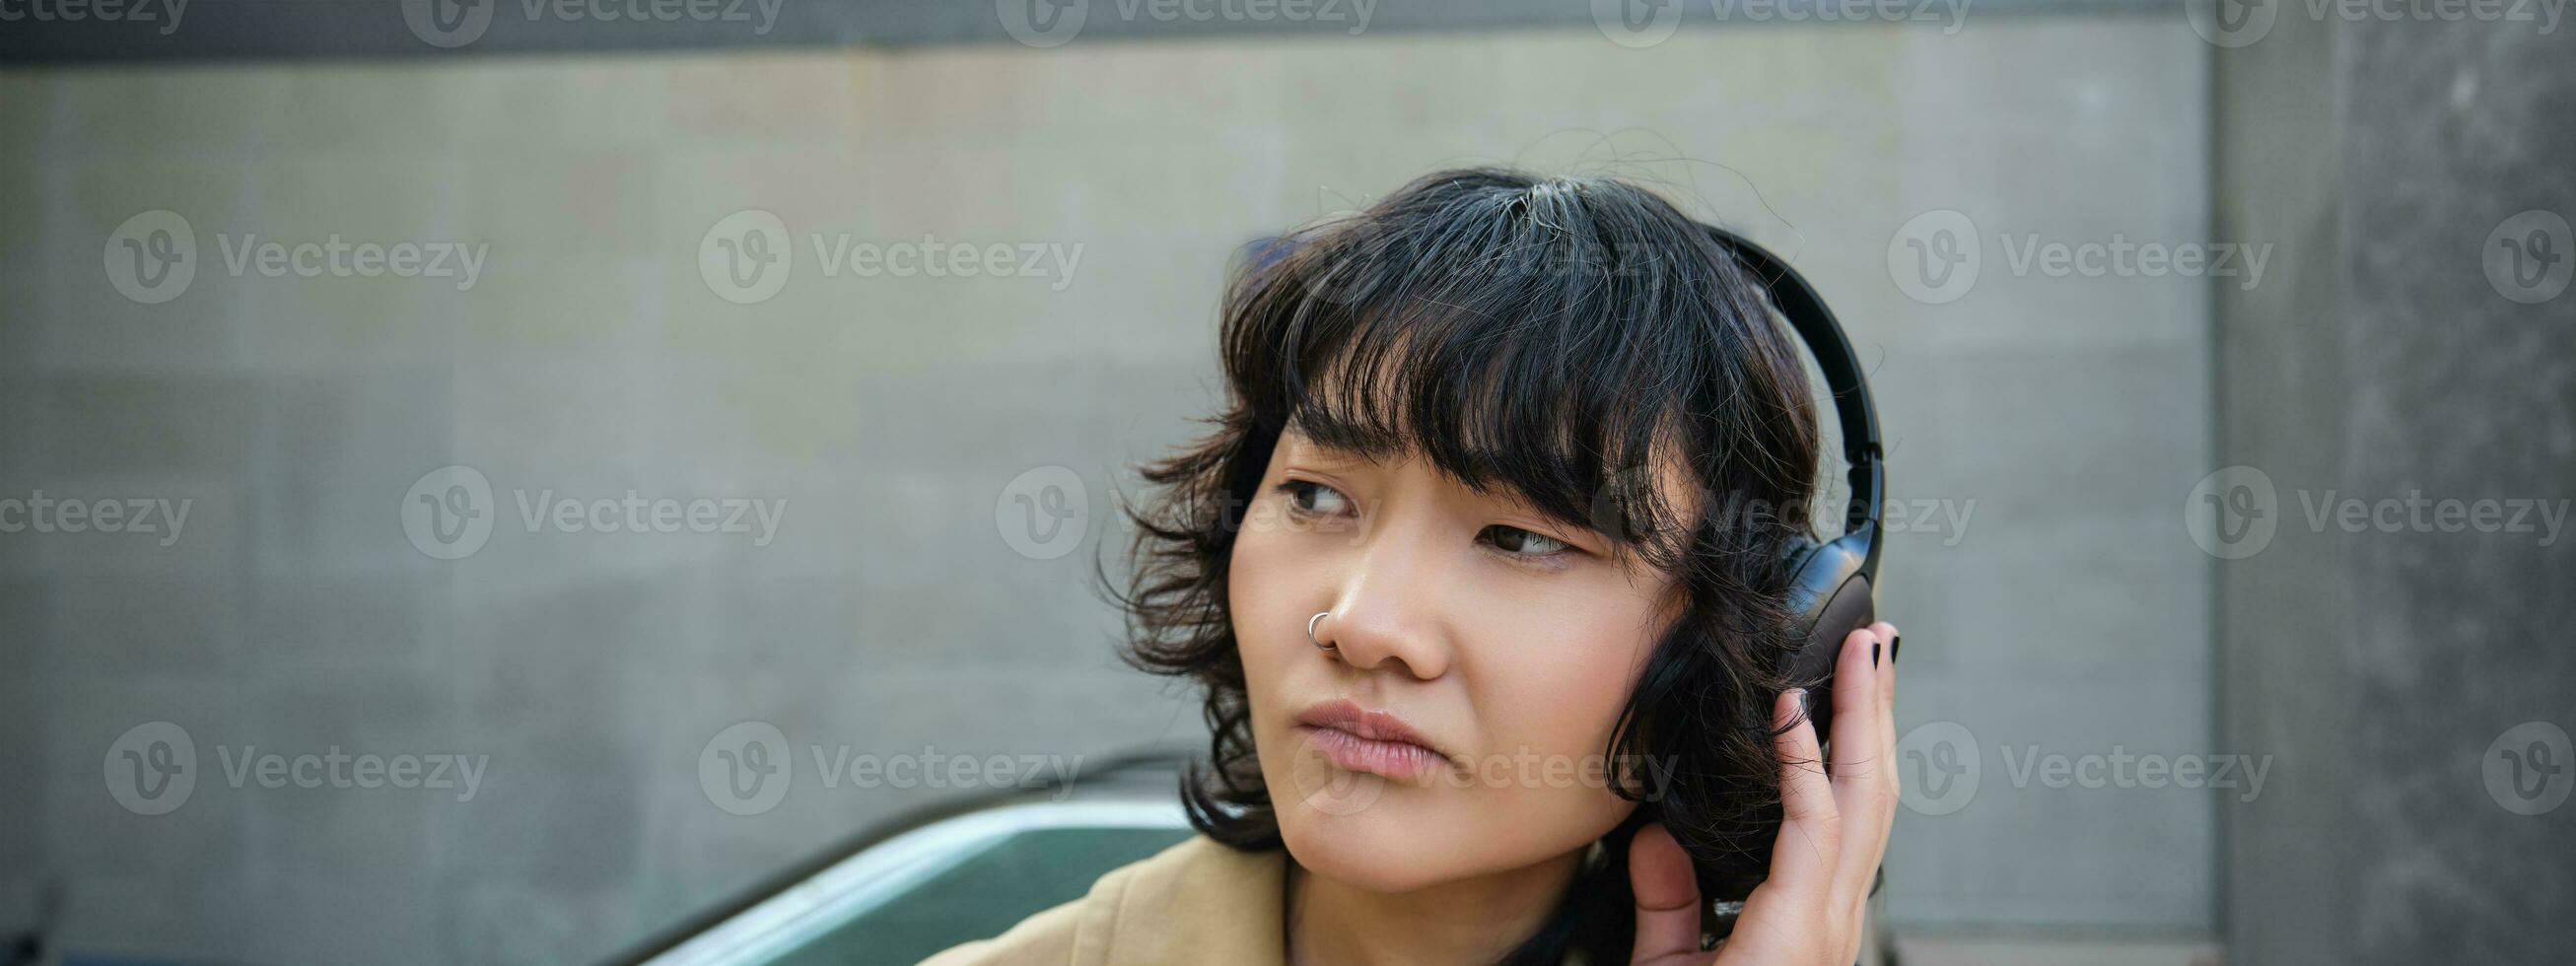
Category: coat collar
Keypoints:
(1198, 901)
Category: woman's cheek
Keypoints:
(1267, 596)
(1556, 670)
(1257, 590)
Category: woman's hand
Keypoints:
(1832, 834)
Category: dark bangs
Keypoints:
(1540, 339)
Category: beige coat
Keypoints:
(1194, 902)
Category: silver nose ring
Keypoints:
(1310, 632)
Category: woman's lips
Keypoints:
(1359, 739)
(1393, 759)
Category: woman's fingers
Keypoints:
(1659, 872)
(1834, 824)
(1863, 749)
(1856, 719)
(1803, 858)
(1889, 786)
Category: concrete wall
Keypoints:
(2057, 416)
(2400, 674)
(2383, 665)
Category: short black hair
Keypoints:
(1550, 337)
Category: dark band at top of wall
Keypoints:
(109, 31)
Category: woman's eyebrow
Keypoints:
(1321, 453)
(1296, 436)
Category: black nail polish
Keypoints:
(1896, 649)
(1873, 653)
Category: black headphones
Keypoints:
(1834, 590)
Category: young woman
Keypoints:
(1480, 572)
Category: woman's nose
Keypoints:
(1389, 608)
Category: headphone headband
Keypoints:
(1815, 324)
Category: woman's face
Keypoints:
(1507, 641)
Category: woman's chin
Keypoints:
(1383, 848)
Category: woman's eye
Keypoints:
(1515, 540)
(1309, 498)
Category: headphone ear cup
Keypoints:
(1801, 554)
(1829, 597)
